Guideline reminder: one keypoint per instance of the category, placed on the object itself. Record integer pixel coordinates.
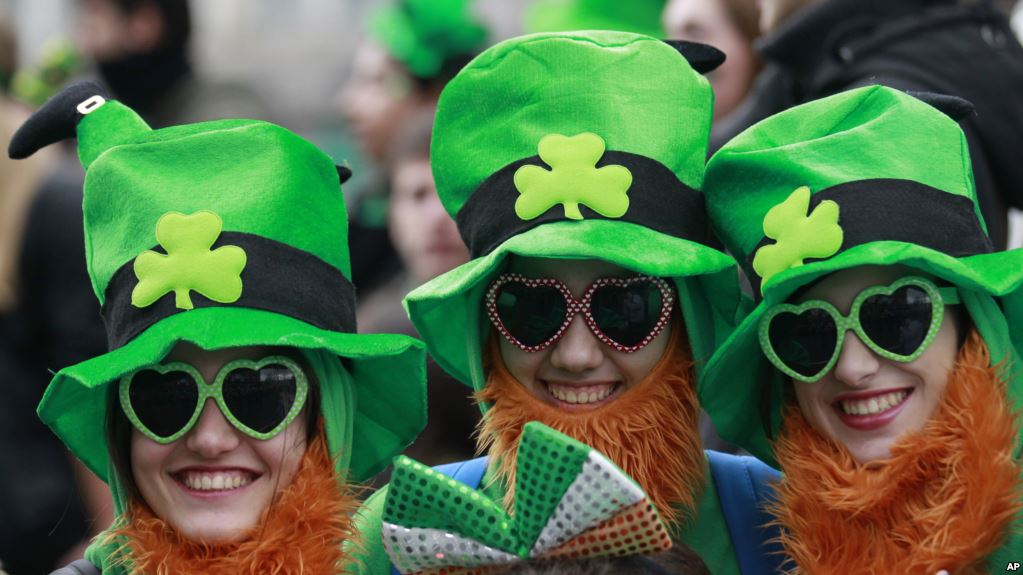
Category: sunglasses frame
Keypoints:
(579, 306)
(215, 391)
(940, 297)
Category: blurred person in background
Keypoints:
(428, 244)
(50, 504)
(414, 48)
(965, 48)
(730, 26)
(141, 52)
(638, 16)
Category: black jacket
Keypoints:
(922, 45)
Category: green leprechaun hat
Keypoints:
(429, 36)
(224, 234)
(571, 502)
(871, 176)
(585, 145)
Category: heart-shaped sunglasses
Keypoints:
(259, 398)
(897, 321)
(624, 313)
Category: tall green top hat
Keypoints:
(223, 234)
(574, 145)
(867, 177)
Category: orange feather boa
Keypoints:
(650, 431)
(302, 532)
(943, 500)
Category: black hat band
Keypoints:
(277, 277)
(657, 200)
(897, 211)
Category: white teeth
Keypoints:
(214, 481)
(576, 395)
(875, 404)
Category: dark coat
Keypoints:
(922, 45)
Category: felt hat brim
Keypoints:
(448, 311)
(388, 373)
(742, 391)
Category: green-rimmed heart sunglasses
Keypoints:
(260, 398)
(896, 321)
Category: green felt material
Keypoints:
(707, 534)
(424, 35)
(638, 16)
(868, 133)
(798, 234)
(189, 264)
(572, 180)
(633, 92)
(237, 169)
(231, 175)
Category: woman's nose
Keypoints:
(578, 350)
(213, 434)
(856, 364)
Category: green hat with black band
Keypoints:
(872, 176)
(223, 234)
(580, 145)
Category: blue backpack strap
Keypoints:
(468, 472)
(744, 485)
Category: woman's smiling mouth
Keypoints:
(871, 410)
(575, 396)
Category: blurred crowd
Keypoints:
(387, 63)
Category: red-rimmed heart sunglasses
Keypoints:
(623, 313)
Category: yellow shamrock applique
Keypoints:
(189, 263)
(797, 235)
(572, 180)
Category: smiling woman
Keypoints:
(237, 406)
(880, 365)
(594, 293)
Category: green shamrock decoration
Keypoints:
(798, 235)
(189, 263)
(573, 179)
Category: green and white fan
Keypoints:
(570, 502)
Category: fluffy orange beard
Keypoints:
(943, 500)
(301, 532)
(650, 431)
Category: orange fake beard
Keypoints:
(650, 431)
(302, 531)
(943, 500)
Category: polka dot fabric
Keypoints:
(570, 501)
(546, 465)
(421, 497)
(599, 492)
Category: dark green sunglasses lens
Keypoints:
(531, 314)
(163, 402)
(260, 398)
(804, 342)
(899, 322)
(627, 314)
